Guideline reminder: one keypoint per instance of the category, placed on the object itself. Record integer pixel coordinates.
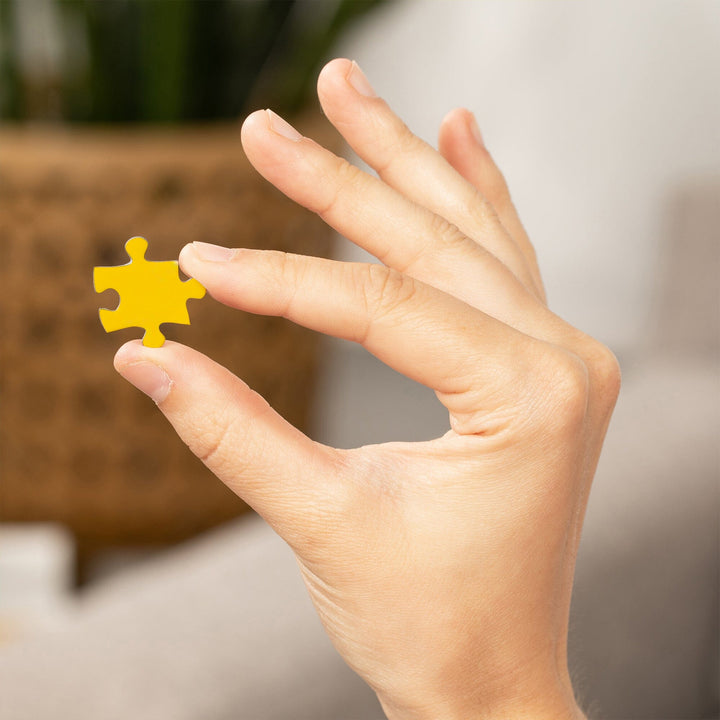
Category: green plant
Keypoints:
(163, 60)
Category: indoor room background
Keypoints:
(132, 582)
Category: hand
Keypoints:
(441, 570)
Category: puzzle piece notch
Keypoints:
(151, 293)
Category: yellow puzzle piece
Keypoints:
(150, 292)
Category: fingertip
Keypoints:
(257, 120)
(254, 117)
(330, 82)
(458, 114)
(337, 68)
(460, 125)
(186, 251)
(186, 259)
(343, 88)
(127, 354)
(134, 351)
(142, 369)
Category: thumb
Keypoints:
(276, 469)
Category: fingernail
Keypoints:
(212, 253)
(149, 378)
(282, 127)
(356, 77)
(475, 130)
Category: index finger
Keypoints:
(430, 336)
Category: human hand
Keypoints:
(441, 570)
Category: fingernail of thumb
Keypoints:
(149, 378)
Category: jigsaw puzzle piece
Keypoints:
(193, 289)
(110, 320)
(136, 247)
(104, 278)
(151, 293)
(153, 338)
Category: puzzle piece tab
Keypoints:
(150, 292)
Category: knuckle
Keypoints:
(399, 141)
(345, 175)
(483, 211)
(284, 271)
(227, 443)
(405, 137)
(446, 233)
(277, 266)
(566, 384)
(383, 290)
(571, 385)
(605, 374)
(406, 141)
(211, 437)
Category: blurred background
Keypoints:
(134, 584)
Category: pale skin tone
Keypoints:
(441, 570)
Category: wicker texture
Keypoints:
(79, 445)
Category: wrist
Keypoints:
(550, 701)
(543, 710)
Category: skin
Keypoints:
(442, 570)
